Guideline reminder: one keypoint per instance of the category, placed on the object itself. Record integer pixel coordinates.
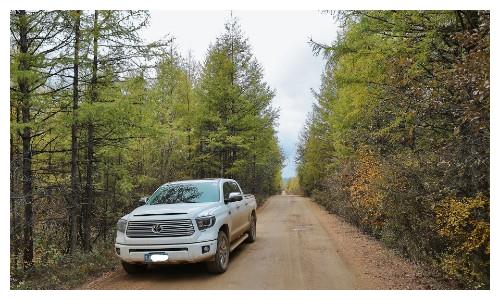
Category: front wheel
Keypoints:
(221, 259)
(252, 231)
(133, 268)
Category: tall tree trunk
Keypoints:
(24, 88)
(254, 168)
(14, 193)
(13, 223)
(73, 217)
(104, 222)
(87, 207)
(188, 129)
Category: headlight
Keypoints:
(205, 222)
(121, 225)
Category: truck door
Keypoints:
(245, 207)
(236, 211)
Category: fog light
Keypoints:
(118, 251)
(205, 249)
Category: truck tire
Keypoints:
(252, 231)
(221, 259)
(133, 268)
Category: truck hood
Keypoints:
(189, 210)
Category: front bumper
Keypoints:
(177, 253)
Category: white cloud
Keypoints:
(279, 41)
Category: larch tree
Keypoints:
(235, 109)
(36, 41)
(75, 192)
(117, 52)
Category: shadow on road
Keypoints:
(182, 271)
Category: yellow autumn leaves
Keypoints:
(464, 222)
(365, 196)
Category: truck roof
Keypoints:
(202, 179)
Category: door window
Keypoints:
(234, 188)
(226, 189)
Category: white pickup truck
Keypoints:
(186, 222)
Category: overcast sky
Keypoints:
(279, 41)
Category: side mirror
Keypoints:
(233, 197)
(142, 201)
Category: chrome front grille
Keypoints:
(160, 228)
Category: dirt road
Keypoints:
(299, 246)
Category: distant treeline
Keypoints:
(399, 140)
(100, 118)
(292, 186)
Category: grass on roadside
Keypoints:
(65, 271)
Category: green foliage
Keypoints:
(400, 128)
(236, 131)
(157, 117)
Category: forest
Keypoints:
(398, 142)
(99, 118)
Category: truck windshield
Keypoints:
(193, 192)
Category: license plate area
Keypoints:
(152, 257)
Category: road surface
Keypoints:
(296, 248)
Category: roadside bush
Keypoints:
(63, 271)
(410, 194)
(335, 196)
(365, 193)
(464, 223)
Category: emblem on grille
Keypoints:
(156, 228)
